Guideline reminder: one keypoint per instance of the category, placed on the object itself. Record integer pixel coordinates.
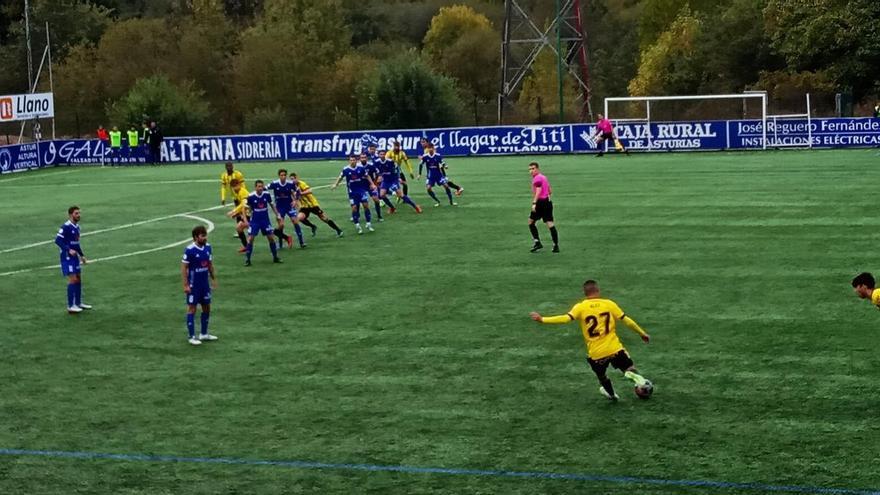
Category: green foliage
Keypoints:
(406, 93)
(839, 38)
(180, 110)
(539, 99)
(266, 120)
(282, 59)
(463, 45)
(670, 65)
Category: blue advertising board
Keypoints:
(463, 141)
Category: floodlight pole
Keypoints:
(51, 80)
(559, 63)
(522, 42)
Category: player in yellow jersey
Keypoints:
(307, 204)
(239, 213)
(226, 178)
(863, 284)
(398, 156)
(597, 318)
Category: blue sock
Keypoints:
(274, 249)
(378, 210)
(387, 201)
(191, 325)
(408, 201)
(205, 317)
(299, 234)
(433, 196)
(71, 295)
(78, 293)
(367, 214)
(356, 215)
(250, 250)
(449, 193)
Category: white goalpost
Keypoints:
(640, 112)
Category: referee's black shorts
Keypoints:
(607, 135)
(543, 211)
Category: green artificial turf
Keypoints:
(412, 345)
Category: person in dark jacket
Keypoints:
(154, 142)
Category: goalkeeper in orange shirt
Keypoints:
(597, 317)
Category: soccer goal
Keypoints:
(691, 122)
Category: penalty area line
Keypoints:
(209, 224)
(488, 473)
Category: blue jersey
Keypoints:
(372, 168)
(389, 170)
(356, 179)
(284, 192)
(198, 263)
(68, 238)
(433, 164)
(259, 205)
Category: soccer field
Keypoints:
(404, 361)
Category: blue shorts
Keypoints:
(287, 212)
(391, 187)
(256, 228)
(357, 197)
(374, 193)
(69, 265)
(434, 180)
(198, 296)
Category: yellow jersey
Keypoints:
(400, 158)
(307, 200)
(875, 298)
(598, 318)
(240, 198)
(226, 184)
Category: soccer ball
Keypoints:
(645, 391)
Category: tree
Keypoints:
(463, 45)
(283, 57)
(539, 99)
(834, 36)
(266, 120)
(342, 89)
(408, 94)
(180, 110)
(79, 92)
(670, 65)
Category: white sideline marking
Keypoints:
(210, 226)
(41, 176)
(118, 227)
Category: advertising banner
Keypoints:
(463, 141)
(26, 107)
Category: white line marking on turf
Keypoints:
(41, 176)
(118, 227)
(210, 226)
(126, 226)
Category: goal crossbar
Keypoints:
(759, 95)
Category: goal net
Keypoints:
(694, 122)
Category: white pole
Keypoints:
(605, 142)
(764, 118)
(648, 115)
(809, 122)
(51, 81)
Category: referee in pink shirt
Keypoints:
(542, 208)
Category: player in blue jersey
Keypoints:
(423, 141)
(433, 164)
(197, 271)
(71, 257)
(368, 161)
(285, 191)
(259, 202)
(359, 186)
(390, 181)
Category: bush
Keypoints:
(405, 93)
(179, 110)
(266, 120)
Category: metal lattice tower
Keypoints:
(523, 41)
